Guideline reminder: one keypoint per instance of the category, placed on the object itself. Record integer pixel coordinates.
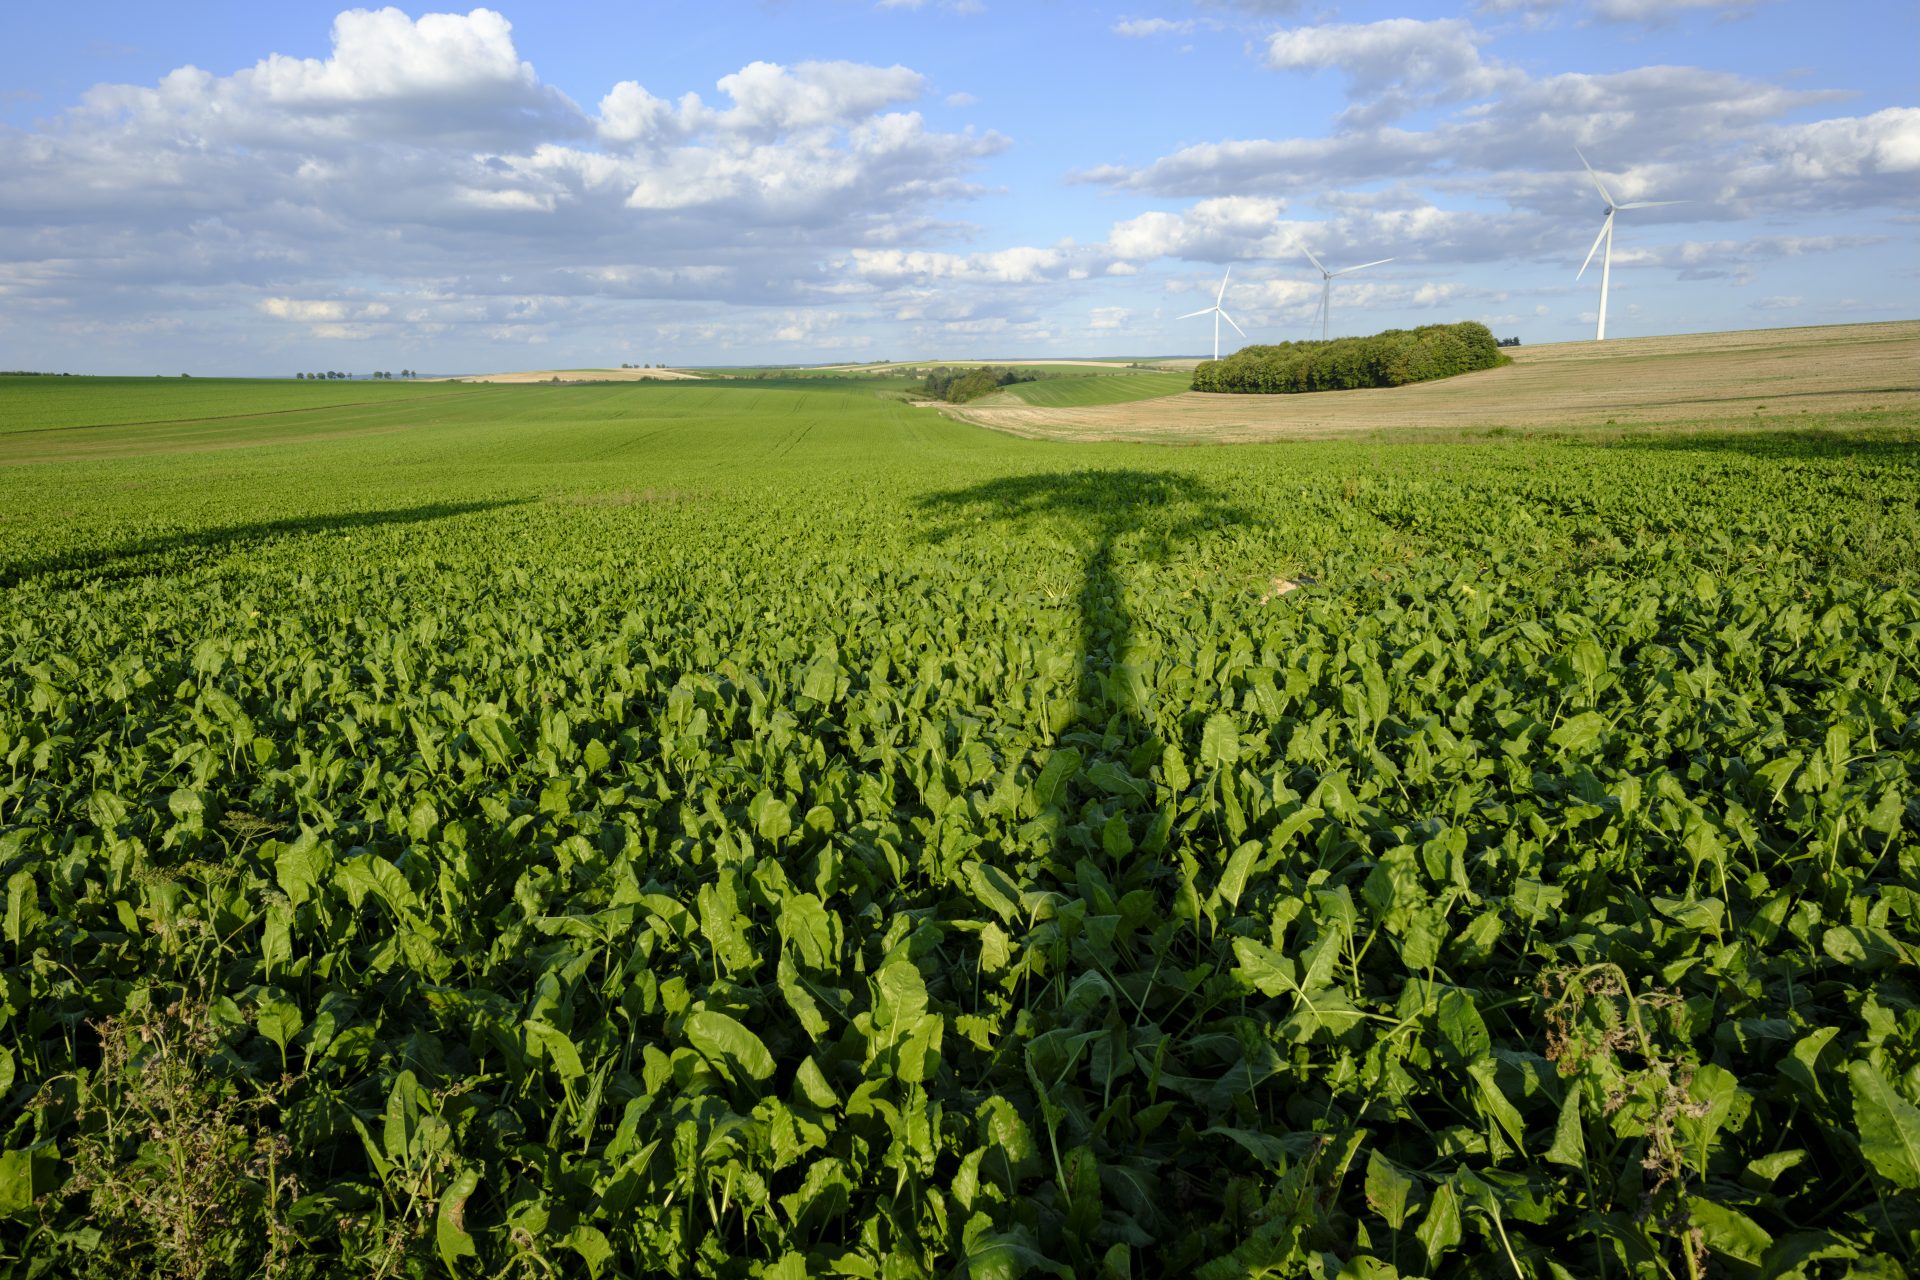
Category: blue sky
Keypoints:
(262, 189)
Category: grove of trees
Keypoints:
(957, 386)
(1388, 359)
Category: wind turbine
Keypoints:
(1218, 315)
(1606, 233)
(1326, 285)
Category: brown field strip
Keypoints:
(1765, 374)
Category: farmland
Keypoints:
(766, 829)
(1099, 389)
(1765, 378)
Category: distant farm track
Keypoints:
(1769, 374)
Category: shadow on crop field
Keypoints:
(1120, 516)
(1873, 441)
(151, 555)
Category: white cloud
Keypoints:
(1142, 27)
(383, 55)
(1394, 65)
(419, 152)
(1219, 229)
(303, 309)
(1024, 265)
(768, 97)
(1108, 319)
(1656, 12)
(1713, 138)
(628, 113)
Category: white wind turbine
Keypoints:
(1326, 285)
(1606, 233)
(1218, 315)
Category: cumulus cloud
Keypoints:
(420, 152)
(1021, 265)
(1220, 229)
(768, 97)
(1719, 140)
(1395, 65)
(384, 55)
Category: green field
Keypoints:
(744, 830)
(1100, 388)
(44, 404)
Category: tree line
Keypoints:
(1389, 359)
(334, 373)
(957, 386)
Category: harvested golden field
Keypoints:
(1763, 374)
(574, 375)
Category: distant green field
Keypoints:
(759, 831)
(40, 404)
(1099, 388)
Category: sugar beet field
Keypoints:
(769, 830)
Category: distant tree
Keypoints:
(299, 375)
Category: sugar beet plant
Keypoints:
(953, 857)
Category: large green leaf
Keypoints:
(726, 1042)
(1888, 1126)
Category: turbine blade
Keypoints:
(1236, 328)
(1648, 204)
(1191, 314)
(1316, 262)
(1608, 222)
(1223, 286)
(1362, 267)
(1601, 186)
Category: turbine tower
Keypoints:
(1606, 234)
(1218, 315)
(1326, 285)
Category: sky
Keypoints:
(263, 189)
